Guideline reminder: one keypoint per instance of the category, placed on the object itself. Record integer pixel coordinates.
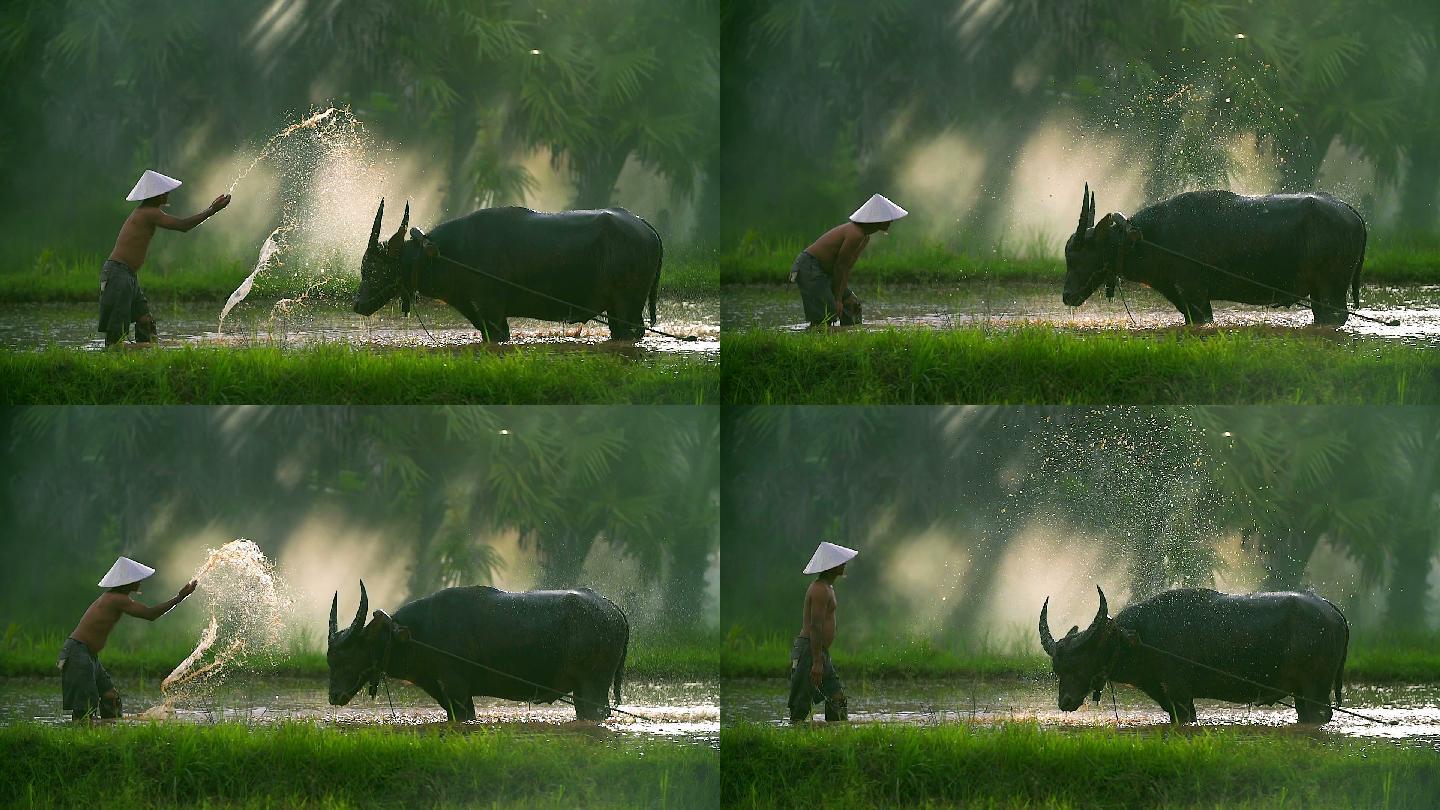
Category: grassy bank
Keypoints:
(304, 765)
(1022, 765)
(901, 261)
(1043, 365)
(1380, 660)
(339, 374)
(684, 658)
(49, 277)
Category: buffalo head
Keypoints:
(1082, 659)
(388, 268)
(1091, 253)
(356, 655)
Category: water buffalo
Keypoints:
(1293, 643)
(568, 267)
(1296, 245)
(551, 642)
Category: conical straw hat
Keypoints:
(829, 555)
(124, 572)
(878, 209)
(152, 184)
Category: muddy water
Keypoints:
(1415, 708)
(1000, 305)
(28, 326)
(683, 711)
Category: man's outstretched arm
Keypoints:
(152, 612)
(164, 220)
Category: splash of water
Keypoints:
(313, 121)
(268, 251)
(329, 172)
(248, 604)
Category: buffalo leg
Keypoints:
(1312, 704)
(1158, 694)
(1176, 299)
(1328, 307)
(590, 703)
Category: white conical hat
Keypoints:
(829, 555)
(152, 184)
(878, 209)
(124, 572)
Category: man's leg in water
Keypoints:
(816, 294)
(836, 708)
(800, 689)
(110, 707)
(140, 314)
(850, 308)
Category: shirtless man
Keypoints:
(823, 269)
(86, 688)
(122, 302)
(812, 677)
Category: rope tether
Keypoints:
(596, 317)
(1298, 299)
(502, 673)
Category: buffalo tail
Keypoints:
(659, 262)
(624, 653)
(1355, 276)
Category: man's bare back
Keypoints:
(844, 240)
(106, 611)
(133, 242)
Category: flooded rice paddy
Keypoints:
(431, 324)
(682, 711)
(1415, 708)
(1009, 304)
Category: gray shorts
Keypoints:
(803, 694)
(817, 294)
(122, 302)
(83, 682)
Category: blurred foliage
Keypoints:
(97, 91)
(1161, 492)
(83, 484)
(825, 99)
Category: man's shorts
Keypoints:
(818, 296)
(803, 694)
(122, 302)
(83, 681)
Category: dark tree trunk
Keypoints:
(1301, 158)
(425, 573)
(1418, 210)
(1409, 590)
(685, 589)
(1286, 559)
(460, 192)
(563, 555)
(596, 174)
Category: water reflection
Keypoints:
(1008, 305)
(1414, 708)
(684, 711)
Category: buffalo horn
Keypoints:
(1084, 210)
(1100, 615)
(334, 606)
(404, 221)
(1046, 640)
(360, 614)
(375, 229)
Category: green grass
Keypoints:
(50, 277)
(302, 765)
(336, 374)
(1023, 765)
(684, 656)
(1401, 659)
(899, 261)
(1038, 364)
